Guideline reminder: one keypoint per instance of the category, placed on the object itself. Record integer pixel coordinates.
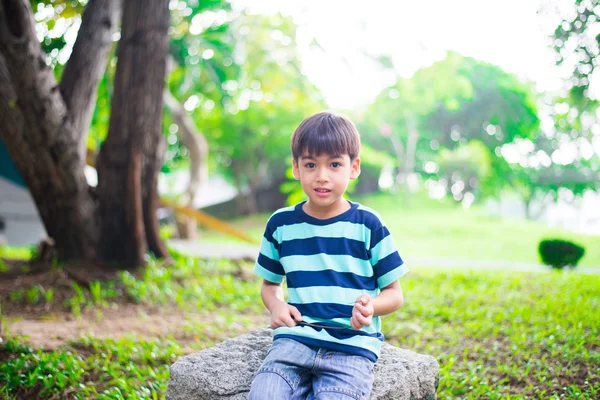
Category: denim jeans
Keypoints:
(293, 370)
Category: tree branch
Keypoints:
(11, 118)
(87, 64)
(32, 79)
(191, 138)
(195, 142)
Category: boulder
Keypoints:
(226, 370)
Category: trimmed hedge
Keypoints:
(560, 253)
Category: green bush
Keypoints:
(560, 253)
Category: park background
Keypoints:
(481, 138)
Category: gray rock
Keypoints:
(226, 370)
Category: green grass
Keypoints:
(496, 335)
(427, 228)
(16, 253)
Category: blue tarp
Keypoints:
(8, 170)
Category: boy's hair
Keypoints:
(325, 133)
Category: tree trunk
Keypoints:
(128, 162)
(85, 68)
(242, 202)
(197, 145)
(43, 127)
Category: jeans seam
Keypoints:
(276, 371)
(342, 390)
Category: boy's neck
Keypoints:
(333, 210)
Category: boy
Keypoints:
(342, 271)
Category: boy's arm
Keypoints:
(387, 301)
(282, 314)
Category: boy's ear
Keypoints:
(295, 169)
(355, 168)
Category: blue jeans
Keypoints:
(293, 370)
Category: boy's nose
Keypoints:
(322, 176)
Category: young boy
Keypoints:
(342, 270)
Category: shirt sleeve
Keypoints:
(267, 264)
(387, 264)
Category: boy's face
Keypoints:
(325, 179)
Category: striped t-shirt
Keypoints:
(328, 264)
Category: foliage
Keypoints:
(556, 160)
(560, 253)
(16, 253)
(191, 284)
(91, 368)
(451, 103)
(500, 110)
(412, 101)
(202, 47)
(576, 44)
(502, 335)
(465, 168)
(252, 127)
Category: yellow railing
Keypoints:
(200, 216)
(208, 221)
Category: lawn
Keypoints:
(495, 334)
(427, 228)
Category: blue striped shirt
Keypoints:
(328, 264)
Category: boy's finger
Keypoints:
(295, 313)
(353, 324)
(364, 321)
(288, 321)
(362, 310)
(363, 299)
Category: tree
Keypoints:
(561, 157)
(399, 114)
(47, 125)
(577, 45)
(201, 61)
(252, 125)
(464, 168)
(449, 104)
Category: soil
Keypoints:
(49, 326)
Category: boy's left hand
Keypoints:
(362, 313)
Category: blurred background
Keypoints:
(131, 213)
(478, 119)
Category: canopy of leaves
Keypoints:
(253, 124)
(576, 42)
(451, 103)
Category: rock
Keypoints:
(226, 370)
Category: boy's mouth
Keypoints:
(322, 191)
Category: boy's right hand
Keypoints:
(284, 314)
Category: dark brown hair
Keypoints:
(325, 133)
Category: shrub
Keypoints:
(560, 253)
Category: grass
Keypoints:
(15, 253)
(500, 335)
(428, 228)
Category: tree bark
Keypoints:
(83, 71)
(197, 145)
(38, 130)
(128, 201)
(151, 201)
(195, 142)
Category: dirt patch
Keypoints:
(49, 325)
(54, 330)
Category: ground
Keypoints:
(48, 327)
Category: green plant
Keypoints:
(560, 253)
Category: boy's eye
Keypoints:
(309, 165)
(336, 164)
